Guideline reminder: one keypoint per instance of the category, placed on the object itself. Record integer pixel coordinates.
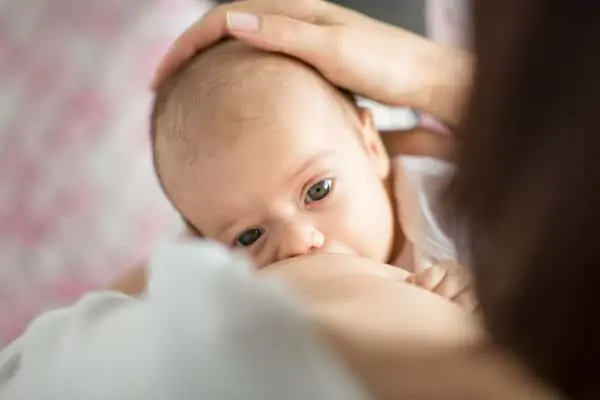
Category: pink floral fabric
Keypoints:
(78, 197)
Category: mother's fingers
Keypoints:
(269, 32)
(213, 26)
(203, 33)
(296, 38)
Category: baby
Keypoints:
(259, 152)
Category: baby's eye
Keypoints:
(248, 237)
(319, 191)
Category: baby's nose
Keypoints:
(301, 240)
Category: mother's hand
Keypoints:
(365, 56)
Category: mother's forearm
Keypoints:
(447, 84)
(410, 70)
(444, 76)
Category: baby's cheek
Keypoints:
(366, 226)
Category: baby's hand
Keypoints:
(448, 280)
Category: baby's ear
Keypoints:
(372, 142)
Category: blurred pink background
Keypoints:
(78, 199)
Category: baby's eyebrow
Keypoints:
(225, 227)
(309, 163)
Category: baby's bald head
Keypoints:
(228, 89)
(258, 150)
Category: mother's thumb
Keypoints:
(280, 34)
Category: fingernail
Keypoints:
(239, 21)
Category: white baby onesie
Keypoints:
(418, 182)
(207, 328)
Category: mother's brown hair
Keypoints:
(526, 198)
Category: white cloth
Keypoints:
(207, 328)
(418, 183)
(389, 118)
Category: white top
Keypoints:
(418, 183)
(206, 329)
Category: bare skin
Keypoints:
(402, 341)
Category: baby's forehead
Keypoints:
(234, 97)
(268, 93)
(233, 84)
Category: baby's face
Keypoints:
(286, 174)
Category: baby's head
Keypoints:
(257, 150)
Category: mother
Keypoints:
(525, 199)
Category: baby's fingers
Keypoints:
(459, 290)
(452, 286)
(466, 299)
(430, 279)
